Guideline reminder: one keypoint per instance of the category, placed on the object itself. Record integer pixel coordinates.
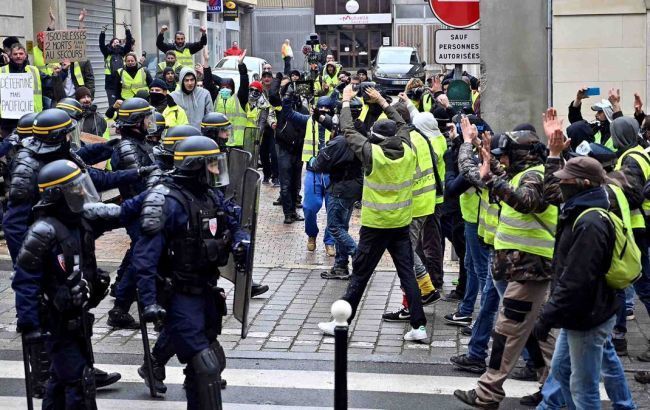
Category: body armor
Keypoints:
(133, 154)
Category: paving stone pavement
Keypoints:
(284, 320)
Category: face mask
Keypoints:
(225, 93)
(157, 98)
(569, 190)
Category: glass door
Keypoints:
(346, 48)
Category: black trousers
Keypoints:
(453, 229)
(290, 172)
(287, 65)
(268, 156)
(372, 244)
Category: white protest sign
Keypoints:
(16, 94)
(458, 47)
(61, 44)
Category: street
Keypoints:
(285, 361)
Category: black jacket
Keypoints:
(580, 297)
(116, 54)
(290, 135)
(193, 47)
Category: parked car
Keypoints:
(395, 66)
(227, 68)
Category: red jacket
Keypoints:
(232, 51)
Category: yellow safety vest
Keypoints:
(76, 71)
(527, 232)
(107, 65)
(488, 218)
(642, 158)
(131, 85)
(38, 86)
(364, 113)
(439, 144)
(309, 149)
(623, 204)
(184, 58)
(469, 205)
(174, 116)
(387, 197)
(424, 182)
(163, 65)
(609, 143)
(427, 101)
(237, 116)
(39, 61)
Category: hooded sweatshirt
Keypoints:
(426, 123)
(625, 133)
(196, 103)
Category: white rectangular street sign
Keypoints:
(16, 94)
(458, 47)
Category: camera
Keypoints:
(361, 88)
(415, 94)
(303, 89)
(308, 49)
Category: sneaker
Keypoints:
(298, 203)
(458, 320)
(327, 327)
(258, 289)
(466, 330)
(337, 272)
(629, 314)
(288, 220)
(620, 345)
(642, 377)
(330, 250)
(297, 217)
(311, 243)
(276, 182)
(524, 374)
(466, 363)
(455, 282)
(277, 202)
(401, 315)
(103, 379)
(431, 297)
(644, 357)
(266, 181)
(119, 319)
(532, 400)
(470, 397)
(416, 334)
(357, 205)
(453, 296)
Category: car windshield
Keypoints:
(393, 56)
(231, 63)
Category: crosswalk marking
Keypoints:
(303, 379)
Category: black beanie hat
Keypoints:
(82, 92)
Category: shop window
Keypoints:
(154, 16)
(409, 11)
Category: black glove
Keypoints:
(113, 142)
(239, 252)
(170, 101)
(153, 313)
(145, 171)
(80, 293)
(34, 336)
(541, 330)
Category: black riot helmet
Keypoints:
(137, 113)
(218, 127)
(164, 153)
(55, 128)
(161, 125)
(25, 125)
(63, 180)
(356, 106)
(199, 158)
(72, 107)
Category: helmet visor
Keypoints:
(74, 136)
(79, 192)
(217, 170)
(225, 133)
(149, 121)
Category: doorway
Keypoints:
(353, 48)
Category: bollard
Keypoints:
(341, 311)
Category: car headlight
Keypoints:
(380, 74)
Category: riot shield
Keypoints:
(252, 137)
(238, 161)
(244, 270)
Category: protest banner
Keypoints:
(64, 44)
(16, 94)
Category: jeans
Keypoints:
(482, 329)
(290, 170)
(629, 297)
(287, 65)
(268, 155)
(579, 358)
(613, 378)
(315, 192)
(373, 242)
(339, 211)
(476, 262)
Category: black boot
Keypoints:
(158, 375)
(103, 379)
(120, 319)
(258, 289)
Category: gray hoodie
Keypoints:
(625, 133)
(196, 103)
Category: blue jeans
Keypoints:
(339, 211)
(476, 261)
(482, 329)
(629, 297)
(613, 378)
(579, 358)
(315, 192)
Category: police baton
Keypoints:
(341, 311)
(28, 374)
(146, 347)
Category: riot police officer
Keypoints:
(57, 282)
(136, 119)
(164, 152)
(218, 127)
(154, 137)
(51, 140)
(188, 232)
(72, 107)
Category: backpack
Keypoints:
(626, 259)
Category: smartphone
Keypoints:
(592, 91)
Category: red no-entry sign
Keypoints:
(456, 13)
